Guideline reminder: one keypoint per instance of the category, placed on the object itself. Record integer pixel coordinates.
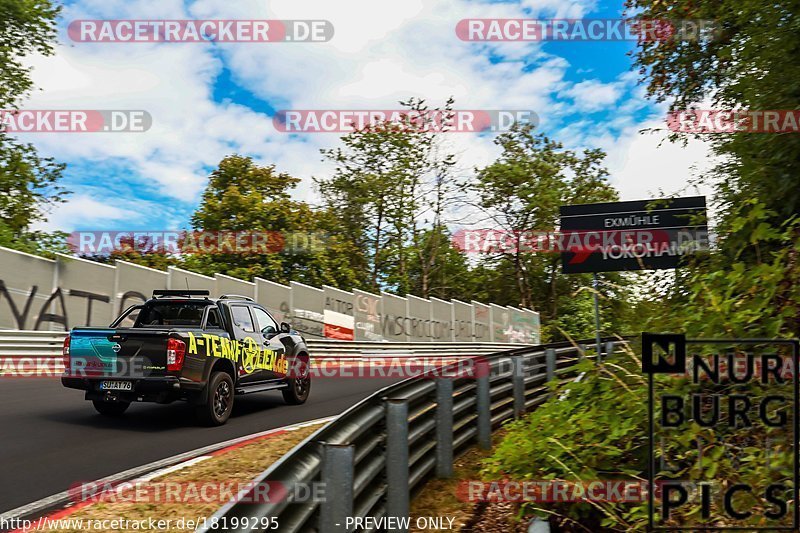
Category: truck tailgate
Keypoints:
(121, 353)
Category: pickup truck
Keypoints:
(183, 345)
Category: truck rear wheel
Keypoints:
(219, 404)
(299, 383)
(110, 408)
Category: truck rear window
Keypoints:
(171, 314)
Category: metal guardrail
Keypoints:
(20, 343)
(375, 456)
(41, 350)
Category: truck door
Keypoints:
(251, 341)
(274, 359)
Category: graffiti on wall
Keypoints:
(27, 302)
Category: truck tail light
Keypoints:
(176, 349)
(65, 355)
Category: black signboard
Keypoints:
(637, 235)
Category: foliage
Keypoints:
(596, 429)
(246, 197)
(28, 183)
(389, 191)
(26, 27)
(750, 290)
(749, 62)
(521, 192)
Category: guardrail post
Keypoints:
(518, 385)
(444, 427)
(337, 475)
(484, 402)
(397, 497)
(550, 359)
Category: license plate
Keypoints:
(116, 385)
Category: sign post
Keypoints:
(624, 236)
(596, 286)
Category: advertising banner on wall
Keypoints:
(500, 323)
(535, 320)
(481, 322)
(367, 310)
(522, 327)
(338, 326)
(394, 319)
(441, 320)
(419, 323)
(307, 304)
(339, 322)
(462, 321)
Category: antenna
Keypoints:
(186, 279)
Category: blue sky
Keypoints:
(211, 100)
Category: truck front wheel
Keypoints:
(299, 382)
(219, 404)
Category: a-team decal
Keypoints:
(247, 352)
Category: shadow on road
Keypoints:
(149, 418)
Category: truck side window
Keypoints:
(242, 318)
(265, 322)
(213, 320)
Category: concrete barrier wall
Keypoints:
(56, 295)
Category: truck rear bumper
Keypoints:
(163, 389)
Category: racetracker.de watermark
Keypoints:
(200, 31)
(600, 490)
(197, 491)
(584, 30)
(734, 121)
(196, 242)
(74, 121)
(453, 121)
(610, 243)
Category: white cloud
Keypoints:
(647, 165)
(593, 95)
(381, 52)
(84, 209)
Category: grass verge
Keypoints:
(239, 464)
(439, 496)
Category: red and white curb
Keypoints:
(146, 473)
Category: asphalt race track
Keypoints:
(52, 439)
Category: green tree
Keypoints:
(243, 196)
(28, 182)
(439, 269)
(748, 62)
(522, 191)
(390, 186)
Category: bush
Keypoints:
(595, 428)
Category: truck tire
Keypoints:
(110, 408)
(299, 386)
(219, 404)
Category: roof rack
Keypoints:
(181, 292)
(236, 297)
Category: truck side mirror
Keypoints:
(285, 327)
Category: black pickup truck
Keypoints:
(183, 345)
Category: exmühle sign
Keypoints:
(637, 235)
(723, 433)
